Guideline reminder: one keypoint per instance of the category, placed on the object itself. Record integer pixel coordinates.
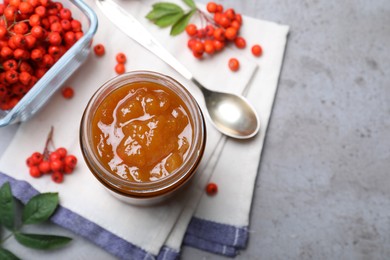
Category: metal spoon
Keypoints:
(231, 114)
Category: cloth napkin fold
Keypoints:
(218, 224)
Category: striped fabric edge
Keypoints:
(218, 233)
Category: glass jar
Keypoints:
(143, 192)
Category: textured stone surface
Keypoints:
(323, 190)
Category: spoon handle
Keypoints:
(135, 30)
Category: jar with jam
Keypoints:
(142, 136)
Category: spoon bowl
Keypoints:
(231, 114)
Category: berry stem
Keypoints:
(204, 16)
(48, 141)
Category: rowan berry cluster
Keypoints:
(57, 162)
(223, 27)
(34, 34)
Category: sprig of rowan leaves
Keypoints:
(164, 14)
(37, 210)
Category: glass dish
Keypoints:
(37, 96)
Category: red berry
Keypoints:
(65, 14)
(120, 68)
(211, 189)
(70, 38)
(56, 165)
(44, 167)
(219, 34)
(99, 49)
(197, 54)
(231, 33)
(30, 162)
(25, 78)
(121, 58)
(240, 42)
(218, 45)
(36, 55)
(238, 18)
(191, 43)
(209, 30)
(191, 29)
(54, 156)
(211, 7)
(234, 64)
(37, 158)
(70, 161)
(76, 25)
(198, 47)
(209, 47)
(230, 14)
(235, 24)
(67, 92)
(257, 50)
(62, 152)
(55, 38)
(35, 172)
(224, 21)
(26, 8)
(57, 177)
(68, 170)
(219, 8)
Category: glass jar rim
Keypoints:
(174, 179)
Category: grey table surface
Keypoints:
(323, 187)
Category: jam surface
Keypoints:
(142, 132)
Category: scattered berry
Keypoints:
(234, 64)
(257, 50)
(120, 68)
(99, 49)
(211, 189)
(68, 92)
(121, 58)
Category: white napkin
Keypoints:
(151, 228)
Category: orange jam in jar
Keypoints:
(142, 136)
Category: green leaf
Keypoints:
(7, 207)
(39, 208)
(167, 6)
(7, 255)
(181, 24)
(168, 20)
(39, 241)
(158, 13)
(190, 3)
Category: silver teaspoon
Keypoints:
(231, 114)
